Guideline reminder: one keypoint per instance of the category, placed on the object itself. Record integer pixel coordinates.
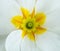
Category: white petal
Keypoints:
(28, 4)
(13, 41)
(47, 5)
(28, 45)
(48, 42)
(43, 5)
(9, 8)
(53, 21)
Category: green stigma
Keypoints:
(29, 25)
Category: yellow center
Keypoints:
(31, 24)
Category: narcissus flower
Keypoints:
(37, 27)
(31, 24)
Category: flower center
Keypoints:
(29, 25)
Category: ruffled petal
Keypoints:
(17, 21)
(13, 41)
(40, 18)
(49, 41)
(40, 30)
(25, 12)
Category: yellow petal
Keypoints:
(33, 12)
(31, 36)
(25, 12)
(24, 34)
(40, 30)
(17, 21)
(40, 18)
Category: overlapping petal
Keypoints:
(28, 45)
(13, 41)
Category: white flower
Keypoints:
(49, 41)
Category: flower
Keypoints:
(30, 23)
(47, 41)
